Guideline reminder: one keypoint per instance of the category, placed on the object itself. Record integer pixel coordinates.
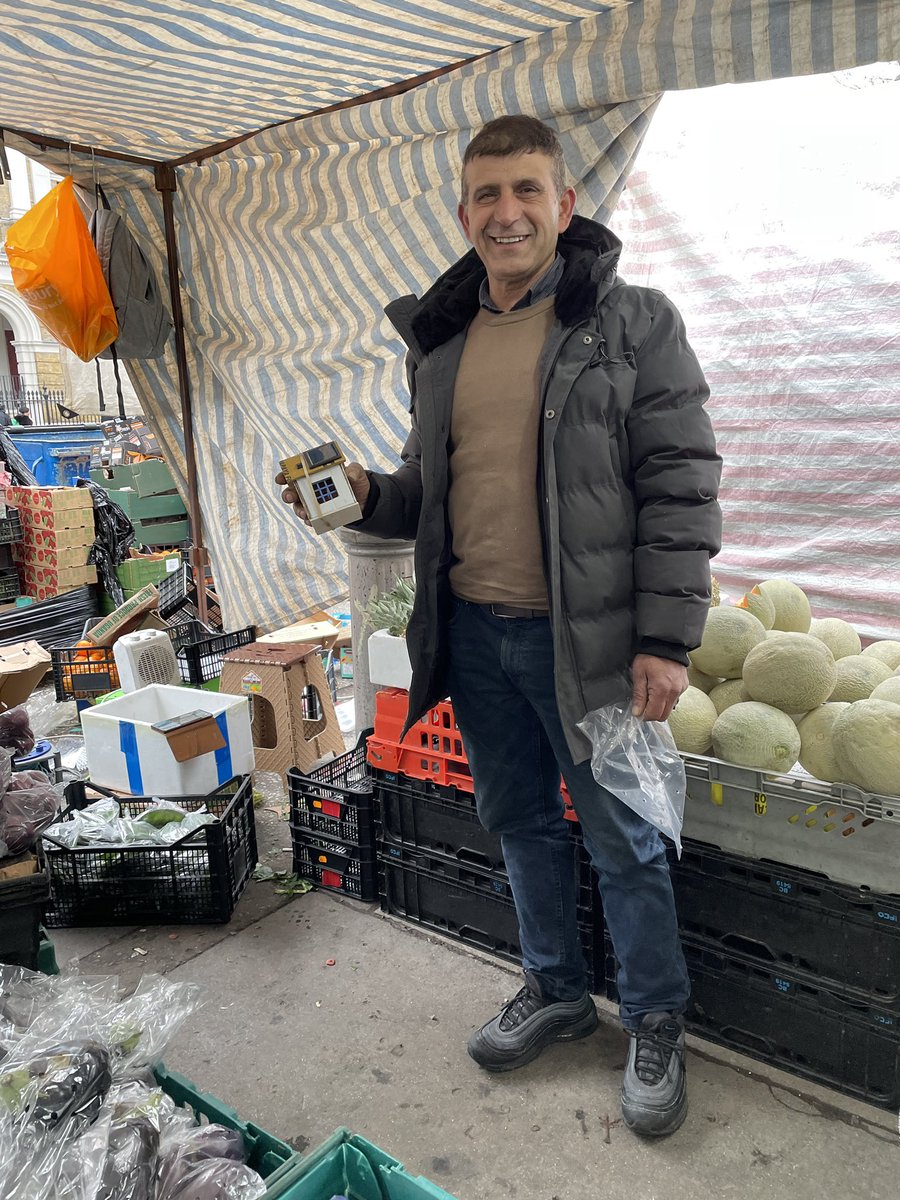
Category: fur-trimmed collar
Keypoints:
(591, 252)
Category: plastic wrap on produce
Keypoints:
(775, 233)
(100, 824)
(28, 804)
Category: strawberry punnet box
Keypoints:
(52, 507)
(50, 557)
(43, 583)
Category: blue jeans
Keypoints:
(502, 687)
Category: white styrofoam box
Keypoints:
(389, 663)
(125, 754)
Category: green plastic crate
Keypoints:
(135, 573)
(147, 478)
(348, 1165)
(267, 1154)
(161, 533)
(148, 508)
(46, 959)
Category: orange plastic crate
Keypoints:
(432, 749)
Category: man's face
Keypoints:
(512, 216)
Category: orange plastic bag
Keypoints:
(56, 271)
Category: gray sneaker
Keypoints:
(654, 1091)
(527, 1024)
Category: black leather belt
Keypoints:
(509, 610)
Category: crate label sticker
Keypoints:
(715, 794)
(759, 804)
(887, 916)
(251, 684)
(782, 985)
(172, 564)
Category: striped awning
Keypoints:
(292, 242)
(166, 78)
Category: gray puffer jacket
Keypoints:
(628, 474)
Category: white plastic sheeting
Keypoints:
(770, 215)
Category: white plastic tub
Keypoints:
(126, 754)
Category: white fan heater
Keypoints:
(146, 657)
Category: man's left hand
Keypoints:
(658, 682)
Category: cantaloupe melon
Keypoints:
(759, 605)
(729, 635)
(697, 679)
(857, 675)
(792, 614)
(732, 691)
(756, 735)
(839, 636)
(889, 690)
(795, 672)
(771, 634)
(866, 740)
(887, 652)
(691, 721)
(816, 744)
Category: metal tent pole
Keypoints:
(167, 184)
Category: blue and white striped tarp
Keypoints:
(292, 242)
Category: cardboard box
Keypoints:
(124, 619)
(22, 667)
(19, 867)
(125, 753)
(57, 537)
(49, 558)
(275, 678)
(42, 583)
(53, 501)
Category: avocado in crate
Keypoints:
(198, 879)
(335, 800)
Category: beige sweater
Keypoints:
(494, 431)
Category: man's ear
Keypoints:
(566, 209)
(464, 219)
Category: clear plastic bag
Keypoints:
(27, 807)
(99, 824)
(638, 762)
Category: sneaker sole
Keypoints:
(546, 1037)
(670, 1119)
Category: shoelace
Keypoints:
(655, 1050)
(523, 1004)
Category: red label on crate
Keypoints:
(331, 808)
(332, 879)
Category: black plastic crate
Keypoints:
(178, 599)
(82, 672)
(336, 799)
(200, 650)
(22, 904)
(10, 527)
(468, 903)
(195, 881)
(780, 1018)
(435, 817)
(840, 937)
(9, 583)
(334, 865)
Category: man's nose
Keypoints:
(507, 210)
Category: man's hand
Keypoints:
(658, 682)
(356, 476)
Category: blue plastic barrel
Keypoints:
(57, 454)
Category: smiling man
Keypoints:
(560, 481)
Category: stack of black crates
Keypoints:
(332, 820)
(439, 868)
(790, 967)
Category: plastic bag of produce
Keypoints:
(215, 1179)
(133, 1145)
(638, 762)
(5, 769)
(139, 1028)
(100, 824)
(15, 731)
(27, 807)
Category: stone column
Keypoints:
(374, 564)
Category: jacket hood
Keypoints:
(591, 252)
